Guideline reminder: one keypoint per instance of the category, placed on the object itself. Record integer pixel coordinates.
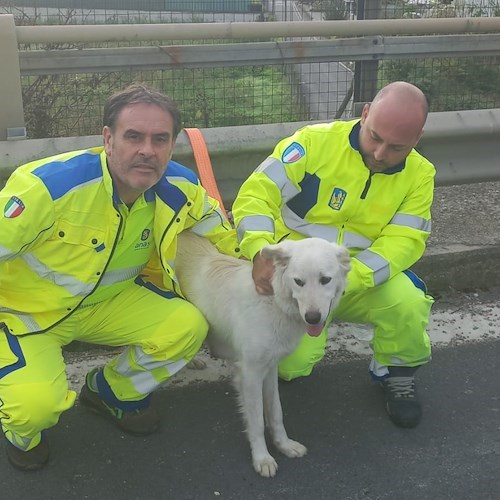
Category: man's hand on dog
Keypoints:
(262, 273)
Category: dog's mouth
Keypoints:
(314, 330)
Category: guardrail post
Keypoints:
(365, 72)
(12, 125)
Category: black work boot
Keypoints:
(401, 398)
(33, 459)
(140, 422)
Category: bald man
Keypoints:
(361, 184)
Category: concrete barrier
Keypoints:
(464, 146)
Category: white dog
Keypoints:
(256, 331)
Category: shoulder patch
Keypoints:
(293, 153)
(13, 207)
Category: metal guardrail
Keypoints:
(252, 31)
(373, 48)
(463, 145)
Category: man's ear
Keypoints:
(364, 113)
(107, 137)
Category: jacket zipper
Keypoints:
(367, 186)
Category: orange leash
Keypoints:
(204, 165)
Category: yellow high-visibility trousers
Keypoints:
(399, 311)
(163, 334)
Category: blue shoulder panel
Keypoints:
(175, 169)
(307, 197)
(170, 194)
(62, 176)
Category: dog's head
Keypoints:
(313, 272)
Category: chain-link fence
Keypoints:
(70, 104)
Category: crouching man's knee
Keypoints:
(29, 409)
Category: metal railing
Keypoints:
(327, 61)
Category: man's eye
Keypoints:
(299, 282)
(325, 280)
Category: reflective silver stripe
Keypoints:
(293, 221)
(174, 178)
(5, 253)
(23, 443)
(352, 240)
(412, 221)
(208, 223)
(120, 275)
(143, 379)
(379, 266)
(378, 369)
(97, 180)
(275, 171)
(27, 320)
(254, 223)
(400, 362)
(69, 283)
(207, 205)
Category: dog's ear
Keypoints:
(343, 256)
(277, 253)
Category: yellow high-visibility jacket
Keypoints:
(59, 228)
(315, 183)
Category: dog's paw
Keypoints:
(265, 466)
(197, 364)
(291, 448)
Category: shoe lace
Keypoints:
(401, 387)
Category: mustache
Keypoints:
(145, 162)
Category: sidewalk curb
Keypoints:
(467, 269)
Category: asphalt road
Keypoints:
(354, 451)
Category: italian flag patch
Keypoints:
(13, 208)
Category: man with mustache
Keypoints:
(361, 184)
(87, 244)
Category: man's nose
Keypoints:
(146, 148)
(380, 152)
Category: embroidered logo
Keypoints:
(13, 208)
(293, 153)
(143, 243)
(337, 199)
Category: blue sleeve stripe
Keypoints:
(62, 176)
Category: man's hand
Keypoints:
(262, 272)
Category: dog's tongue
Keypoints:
(315, 330)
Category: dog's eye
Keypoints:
(299, 282)
(325, 280)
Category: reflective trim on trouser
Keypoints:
(33, 396)
(164, 334)
(399, 312)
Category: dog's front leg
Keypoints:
(249, 385)
(274, 418)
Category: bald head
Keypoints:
(392, 125)
(405, 97)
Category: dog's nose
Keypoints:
(313, 317)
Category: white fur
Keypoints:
(256, 331)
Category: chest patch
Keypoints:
(337, 199)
